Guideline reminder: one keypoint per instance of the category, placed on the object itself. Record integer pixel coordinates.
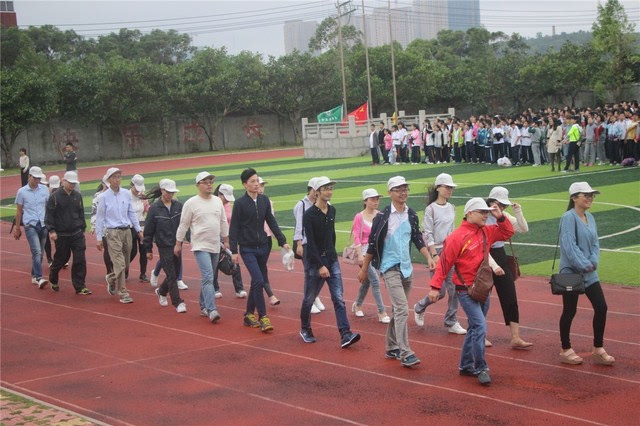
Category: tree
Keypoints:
(326, 36)
(613, 36)
(28, 97)
(167, 48)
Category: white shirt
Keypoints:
(403, 136)
(372, 139)
(396, 218)
(208, 222)
(515, 136)
(526, 136)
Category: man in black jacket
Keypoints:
(247, 237)
(161, 225)
(65, 223)
(380, 135)
(321, 263)
(392, 232)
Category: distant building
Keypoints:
(378, 26)
(7, 14)
(430, 17)
(463, 14)
(297, 34)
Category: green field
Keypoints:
(542, 194)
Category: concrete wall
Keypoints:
(45, 142)
(336, 148)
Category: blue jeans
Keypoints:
(36, 237)
(472, 357)
(312, 286)
(374, 282)
(255, 260)
(207, 262)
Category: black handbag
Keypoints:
(566, 282)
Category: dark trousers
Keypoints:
(569, 307)
(527, 154)
(505, 287)
(446, 153)
(65, 246)
(385, 154)
(499, 150)
(171, 265)
(267, 284)
(136, 245)
(404, 154)
(574, 153)
(479, 154)
(515, 154)
(437, 150)
(375, 158)
(471, 152)
(236, 278)
(24, 177)
(47, 249)
(415, 154)
(457, 153)
(255, 260)
(608, 148)
(429, 155)
(488, 154)
(555, 156)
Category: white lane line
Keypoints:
(321, 361)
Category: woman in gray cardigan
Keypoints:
(580, 252)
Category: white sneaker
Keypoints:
(357, 310)
(182, 285)
(218, 295)
(241, 294)
(315, 310)
(42, 283)
(418, 318)
(318, 304)
(457, 329)
(34, 280)
(203, 312)
(153, 280)
(214, 316)
(181, 308)
(161, 299)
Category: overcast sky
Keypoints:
(257, 25)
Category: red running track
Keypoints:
(144, 364)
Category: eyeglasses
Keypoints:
(206, 182)
(590, 195)
(400, 190)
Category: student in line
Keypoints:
(247, 237)
(322, 264)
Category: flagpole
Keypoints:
(344, 80)
(366, 56)
(393, 63)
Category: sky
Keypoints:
(257, 25)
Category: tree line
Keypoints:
(127, 77)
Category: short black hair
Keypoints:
(246, 174)
(69, 144)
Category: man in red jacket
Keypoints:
(465, 249)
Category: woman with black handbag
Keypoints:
(580, 252)
(504, 278)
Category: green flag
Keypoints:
(332, 116)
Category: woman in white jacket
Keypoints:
(503, 278)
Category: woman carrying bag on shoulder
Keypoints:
(361, 229)
(580, 252)
(467, 249)
(505, 282)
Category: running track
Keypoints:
(145, 364)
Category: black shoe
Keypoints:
(392, 354)
(468, 373)
(484, 378)
(349, 339)
(307, 335)
(410, 361)
(55, 287)
(144, 278)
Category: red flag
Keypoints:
(360, 114)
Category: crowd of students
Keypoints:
(221, 230)
(587, 136)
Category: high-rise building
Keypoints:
(297, 34)
(378, 26)
(430, 17)
(463, 14)
(7, 14)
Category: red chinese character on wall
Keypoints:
(192, 133)
(60, 138)
(133, 135)
(251, 128)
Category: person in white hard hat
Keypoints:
(360, 230)
(103, 186)
(31, 202)
(466, 249)
(504, 280)
(66, 226)
(439, 222)
(161, 226)
(53, 184)
(140, 207)
(580, 252)
(299, 239)
(114, 219)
